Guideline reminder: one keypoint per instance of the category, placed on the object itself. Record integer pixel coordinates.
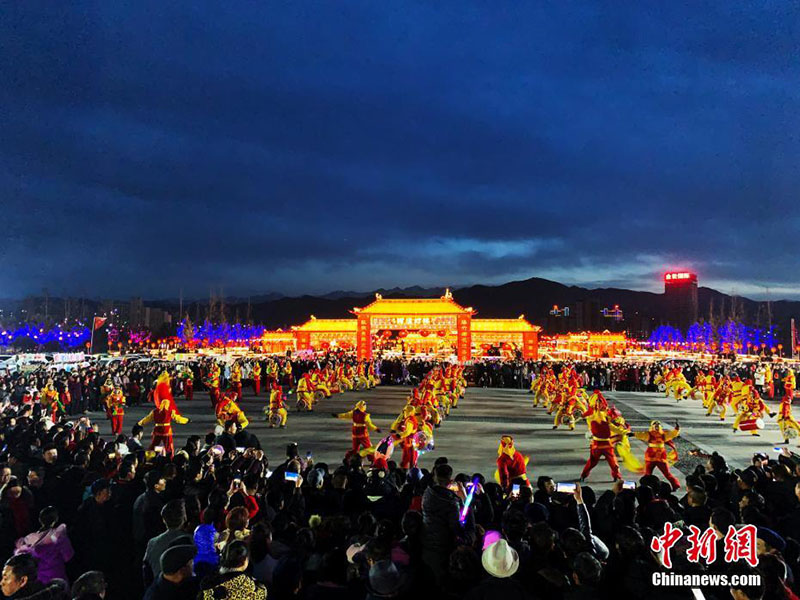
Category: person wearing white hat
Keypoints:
(500, 560)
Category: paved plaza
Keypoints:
(469, 438)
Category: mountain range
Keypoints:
(532, 297)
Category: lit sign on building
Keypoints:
(557, 312)
(683, 276)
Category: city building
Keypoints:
(680, 294)
(136, 312)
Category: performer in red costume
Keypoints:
(188, 383)
(656, 454)
(212, 383)
(162, 418)
(163, 392)
(602, 431)
(257, 378)
(362, 425)
(116, 407)
(789, 384)
(405, 433)
(511, 464)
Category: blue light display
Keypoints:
(707, 336)
(66, 337)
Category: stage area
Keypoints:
(469, 438)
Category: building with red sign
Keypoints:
(437, 326)
(680, 292)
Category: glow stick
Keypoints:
(470, 495)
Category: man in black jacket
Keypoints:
(91, 533)
(147, 511)
(441, 509)
(20, 581)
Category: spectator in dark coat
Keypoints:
(91, 533)
(175, 580)
(147, 510)
(20, 581)
(441, 509)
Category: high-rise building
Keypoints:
(680, 293)
(136, 316)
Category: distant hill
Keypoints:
(410, 292)
(532, 297)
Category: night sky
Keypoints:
(311, 146)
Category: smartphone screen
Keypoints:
(289, 476)
(515, 489)
(628, 485)
(566, 488)
(240, 450)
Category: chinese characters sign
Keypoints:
(363, 339)
(739, 544)
(428, 322)
(464, 347)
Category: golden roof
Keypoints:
(502, 325)
(337, 325)
(414, 306)
(277, 335)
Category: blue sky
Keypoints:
(307, 147)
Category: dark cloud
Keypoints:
(315, 146)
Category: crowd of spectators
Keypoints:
(116, 521)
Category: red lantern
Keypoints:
(325, 345)
(506, 346)
(486, 346)
(424, 332)
(402, 333)
(386, 333)
(441, 332)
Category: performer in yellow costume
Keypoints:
(305, 390)
(228, 410)
(750, 408)
(621, 442)
(277, 407)
(372, 379)
(679, 386)
(318, 379)
(574, 402)
(236, 380)
(788, 425)
(721, 398)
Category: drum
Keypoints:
(319, 395)
(662, 387)
(302, 405)
(274, 419)
(422, 442)
(791, 433)
(751, 424)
